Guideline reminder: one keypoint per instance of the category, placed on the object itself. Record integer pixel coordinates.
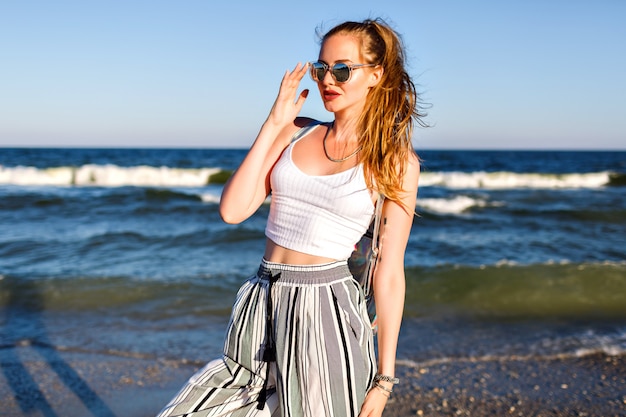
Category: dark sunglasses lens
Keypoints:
(341, 72)
(318, 71)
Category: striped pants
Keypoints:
(305, 351)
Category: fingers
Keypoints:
(291, 79)
(300, 70)
(295, 77)
(288, 103)
(301, 98)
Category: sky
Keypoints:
(532, 74)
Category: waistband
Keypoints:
(319, 274)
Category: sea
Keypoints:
(122, 252)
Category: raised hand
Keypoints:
(286, 107)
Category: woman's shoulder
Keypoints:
(414, 160)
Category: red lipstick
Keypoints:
(330, 95)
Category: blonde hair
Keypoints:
(392, 107)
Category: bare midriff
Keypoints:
(279, 254)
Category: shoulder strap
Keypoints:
(377, 215)
(367, 279)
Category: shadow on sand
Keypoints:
(23, 328)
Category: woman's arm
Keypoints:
(389, 283)
(248, 187)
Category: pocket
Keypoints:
(350, 302)
(244, 341)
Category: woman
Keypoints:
(299, 342)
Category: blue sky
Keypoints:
(534, 74)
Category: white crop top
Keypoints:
(321, 215)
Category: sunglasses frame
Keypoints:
(313, 71)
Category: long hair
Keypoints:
(391, 109)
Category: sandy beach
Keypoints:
(593, 385)
(39, 381)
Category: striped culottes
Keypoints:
(305, 351)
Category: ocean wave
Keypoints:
(134, 297)
(512, 180)
(613, 349)
(151, 176)
(455, 205)
(617, 179)
(592, 289)
(112, 176)
(210, 198)
(539, 291)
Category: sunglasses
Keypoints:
(341, 72)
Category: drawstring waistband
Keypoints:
(318, 274)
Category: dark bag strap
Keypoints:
(367, 287)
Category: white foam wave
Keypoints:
(612, 349)
(511, 180)
(455, 205)
(107, 176)
(116, 176)
(210, 198)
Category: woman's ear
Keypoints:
(376, 75)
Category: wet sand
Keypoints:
(39, 381)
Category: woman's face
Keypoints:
(345, 98)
